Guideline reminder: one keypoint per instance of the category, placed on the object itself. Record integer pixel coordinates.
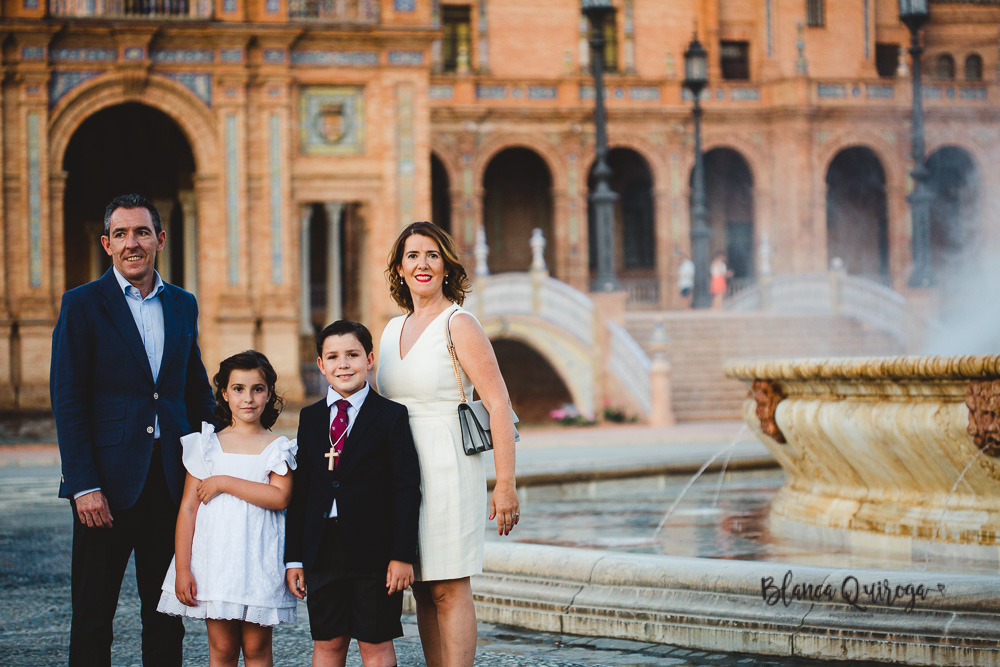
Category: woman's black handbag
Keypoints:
(473, 416)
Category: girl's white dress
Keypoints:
(452, 485)
(238, 550)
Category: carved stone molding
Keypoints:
(767, 395)
(982, 397)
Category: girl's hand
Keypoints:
(210, 487)
(504, 506)
(185, 588)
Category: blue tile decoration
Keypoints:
(231, 55)
(441, 92)
(332, 120)
(586, 93)
(619, 93)
(542, 92)
(491, 92)
(404, 5)
(406, 180)
(972, 94)
(182, 56)
(720, 94)
(770, 29)
(406, 57)
(274, 55)
(363, 58)
(880, 91)
(277, 201)
(232, 202)
(516, 92)
(856, 91)
(228, 6)
(830, 91)
(31, 4)
(949, 92)
(134, 53)
(32, 53)
(868, 33)
(745, 94)
(272, 6)
(644, 93)
(62, 82)
(84, 55)
(199, 83)
(931, 93)
(34, 201)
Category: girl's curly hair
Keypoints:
(455, 288)
(251, 360)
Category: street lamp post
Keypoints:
(695, 80)
(915, 13)
(602, 197)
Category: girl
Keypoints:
(228, 566)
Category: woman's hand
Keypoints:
(185, 588)
(504, 506)
(210, 487)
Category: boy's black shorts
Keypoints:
(340, 603)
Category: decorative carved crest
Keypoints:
(767, 394)
(982, 397)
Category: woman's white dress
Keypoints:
(452, 485)
(238, 550)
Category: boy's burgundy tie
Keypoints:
(338, 428)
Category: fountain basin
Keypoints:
(885, 452)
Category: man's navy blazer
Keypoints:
(376, 484)
(104, 398)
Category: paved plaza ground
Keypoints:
(35, 536)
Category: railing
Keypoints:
(641, 291)
(833, 292)
(153, 9)
(361, 11)
(630, 365)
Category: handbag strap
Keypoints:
(454, 359)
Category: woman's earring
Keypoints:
(446, 280)
(401, 281)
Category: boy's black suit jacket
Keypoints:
(376, 484)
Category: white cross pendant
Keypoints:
(332, 456)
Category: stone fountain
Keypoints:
(885, 453)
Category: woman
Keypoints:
(415, 368)
(720, 274)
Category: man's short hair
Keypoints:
(129, 202)
(342, 328)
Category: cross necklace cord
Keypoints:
(333, 453)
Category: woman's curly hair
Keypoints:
(457, 285)
(251, 360)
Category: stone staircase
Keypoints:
(701, 341)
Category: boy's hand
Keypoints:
(185, 588)
(295, 577)
(210, 487)
(398, 577)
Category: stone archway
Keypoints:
(535, 386)
(128, 147)
(517, 198)
(440, 194)
(857, 220)
(729, 198)
(954, 222)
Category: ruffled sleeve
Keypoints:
(282, 456)
(197, 448)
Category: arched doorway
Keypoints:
(954, 184)
(857, 227)
(125, 148)
(634, 222)
(730, 209)
(534, 385)
(440, 194)
(517, 199)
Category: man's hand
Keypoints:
(210, 487)
(185, 588)
(399, 576)
(93, 511)
(295, 577)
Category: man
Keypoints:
(126, 382)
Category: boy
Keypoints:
(351, 527)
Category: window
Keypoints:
(974, 68)
(610, 45)
(815, 13)
(886, 60)
(456, 46)
(735, 60)
(944, 67)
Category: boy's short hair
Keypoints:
(342, 328)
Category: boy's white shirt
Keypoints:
(356, 400)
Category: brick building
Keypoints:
(287, 141)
